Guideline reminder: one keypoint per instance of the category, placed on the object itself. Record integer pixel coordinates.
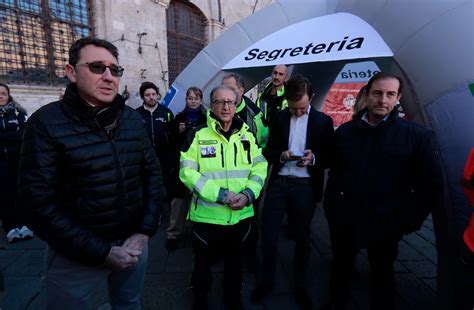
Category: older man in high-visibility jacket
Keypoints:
(223, 166)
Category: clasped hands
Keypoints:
(236, 201)
(305, 160)
(127, 255)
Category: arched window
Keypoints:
(35, 36)
(186, 35)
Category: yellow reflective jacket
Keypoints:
(211, 165)
(253, 117)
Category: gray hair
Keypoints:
(238, 78)
(219, 88)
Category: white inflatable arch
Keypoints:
(430, 44)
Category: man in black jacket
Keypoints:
(90, 182)
(383, 182)
(158, 123)
(272, 99)
(298, 147)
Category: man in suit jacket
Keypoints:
(299, 146)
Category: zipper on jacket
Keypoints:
(235, 155)
(152, 130)
(4, 130)
(249, 159)
(222, 154)
(118, 169)
(167, 130)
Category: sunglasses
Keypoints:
(98, 67)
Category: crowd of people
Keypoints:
(95, 174)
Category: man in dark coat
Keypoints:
(158, 121)
(272, 99)
(298, 147)
(383, 183)
(90, 182)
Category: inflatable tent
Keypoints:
(430, 44)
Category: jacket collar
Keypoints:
(202, 113)
(236, 126)
(364, 125)
(146, 108)
(241, 105)
(77, 108)
(279, 93)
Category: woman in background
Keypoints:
(12, 122)
(193, 115)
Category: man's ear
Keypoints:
(70, 73)
(242, 91)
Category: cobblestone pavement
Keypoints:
(166, 284)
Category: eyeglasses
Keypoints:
(229, 103)
(98, 67)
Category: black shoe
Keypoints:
(171, 244)
(467, 256)
(252, 263)
(334, 305)
(303, 300)
(200, 302)
(233, 302)
(259, 294)
(328, 306)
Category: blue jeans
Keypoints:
(73, 286)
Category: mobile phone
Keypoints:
(296, 155)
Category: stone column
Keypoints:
(138, 29)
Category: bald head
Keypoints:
(279, 75)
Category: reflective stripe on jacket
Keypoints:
(211, 165)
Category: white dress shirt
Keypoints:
(297, 145)
(365, 118)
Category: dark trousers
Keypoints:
(381, 255)
(287, 195)
(252, 240)
(208, 239)
(9, 212)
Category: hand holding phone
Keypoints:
(296, 155)
(291, 156)
(306, 160)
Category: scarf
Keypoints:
(192, 115)
(107, 116)
(7, 108)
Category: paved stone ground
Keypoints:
(167, 286)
